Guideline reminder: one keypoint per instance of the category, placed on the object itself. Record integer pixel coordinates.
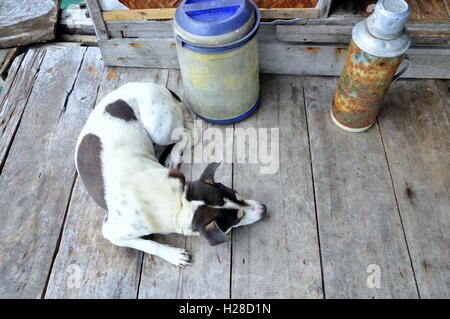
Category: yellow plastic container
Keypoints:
(218, 56)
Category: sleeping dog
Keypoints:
(115, 158)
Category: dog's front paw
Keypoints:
(177, 256)
(170, 163)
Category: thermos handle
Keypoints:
(404, 70)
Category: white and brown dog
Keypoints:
(115, 158)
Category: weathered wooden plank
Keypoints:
(96, 16)
(3, 54)
(329, 60)
(15, 96)
(415, 127)
(289, 13)
(7, 57)
(361, 233)
(275, 57)
(420, 34)
(37, 179)
(168, 13)
(164, 29)
(70, 274)
(27, 21)
(324, 7)
(151, 53)
(87, 265)
(140, 28)
(315, 33)
(87, 40)
(278, 257)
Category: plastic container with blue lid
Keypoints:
(218, 55)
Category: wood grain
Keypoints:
(29, 24)
(36, 180)
(15, 95)
(278, 257)
(7, 57)
(159, 53)
(415, 125)
(168, 14)
(359, 222)
(275, 57)
(96, 16)
(420, 34)
(105, 270)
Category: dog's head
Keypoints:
(221, 207)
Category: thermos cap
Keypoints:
(376, 46)
(388, 19)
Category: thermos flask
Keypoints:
(376, 50)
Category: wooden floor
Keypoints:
(342, 206)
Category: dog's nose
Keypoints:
(264, 210)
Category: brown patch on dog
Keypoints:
(176, 97)
(199, 190)
(121, 110)
(89, 166)
(175, 173)
(212, 193)
(90, 69)
(212, 223)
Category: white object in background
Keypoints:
(112, 5)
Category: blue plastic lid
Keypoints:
(213, 17)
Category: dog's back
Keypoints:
(116, 142)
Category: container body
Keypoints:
(363, 84)
(221, 87)
(218, 55)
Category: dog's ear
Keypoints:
(213, 233)
(208, 174)
(204, 222)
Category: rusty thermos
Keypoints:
(376, 50)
